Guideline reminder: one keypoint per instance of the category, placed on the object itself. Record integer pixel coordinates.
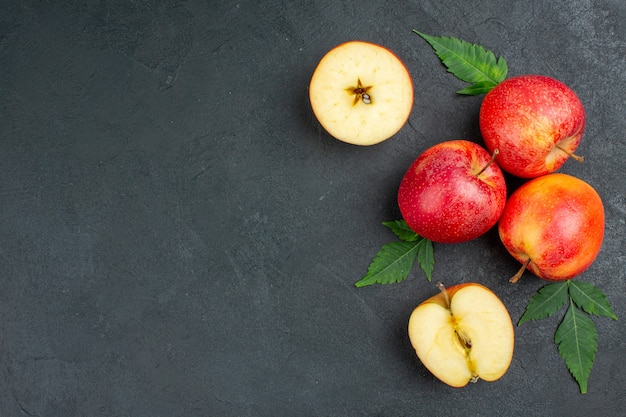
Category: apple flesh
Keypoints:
(536, 122)
(554, 226)
(453, 192)
(463, 334)
(361, 93)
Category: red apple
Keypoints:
(553, 225)
(536, 122)
(453, 192)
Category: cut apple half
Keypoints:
(361, 93)
(463, 334)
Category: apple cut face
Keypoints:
(467, 338)
(361, 93)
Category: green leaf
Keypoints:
(469, 62)
(391, 264)
(394, 261)
(577, 341)
(547, 301)
(425, 258)
(402, 230)
(576, 336)
(590, 299)
(475, 89)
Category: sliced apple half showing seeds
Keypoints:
(463, 334)
(361, 93)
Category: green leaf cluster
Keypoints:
(394, 260)
(576, 336)
(469, 62)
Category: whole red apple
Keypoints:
(553, 225)
(536, 122)
(453, 192)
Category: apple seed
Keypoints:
(360, 93)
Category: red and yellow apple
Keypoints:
(361, 93)
(536, 123)
(463, 334)
(554, 226)
(453, 192)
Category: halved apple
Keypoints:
(361, 93)
(463, 334)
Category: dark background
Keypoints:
(179, 237)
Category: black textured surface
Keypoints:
(178, 237)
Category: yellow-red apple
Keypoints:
(361, 93)
(463, 334)
(453, 192)
(536, 122)
(554, 226)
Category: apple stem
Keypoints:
(443, 290)
(519, 273)
(573, 155)
(493, 158)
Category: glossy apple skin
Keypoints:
(525, 117)
(442, 199)
(556, 221)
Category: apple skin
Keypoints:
(442, 198)
(554, 225)
(440, 327)
(343, 114)
(536, 122)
